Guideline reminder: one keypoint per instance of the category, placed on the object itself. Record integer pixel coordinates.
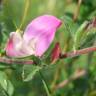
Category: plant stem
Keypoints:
(15, 61)
(75, 76)
(27, 3)
(77, 52)
(48, 92)
(76, 14)
(62, 56)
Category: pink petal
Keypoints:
(11, 44)
(15, 46)
(43, 29)
(41, 25)
(43, 43)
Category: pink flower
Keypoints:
(36, 39)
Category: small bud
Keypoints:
(55, 53)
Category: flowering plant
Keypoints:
(36, 39)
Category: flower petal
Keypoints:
(43, 30)
(43, 43)
(11, 44)
(16, 47)
(41, 25)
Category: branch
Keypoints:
(75, 76)
(78, 52)
(65, 55)
(76, 14)
(15, 61)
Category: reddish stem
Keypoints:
(65, 55)
(77, 52)
(15, 61)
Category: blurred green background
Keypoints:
(72, 13)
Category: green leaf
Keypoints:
(78, 35)
(2, 92)
(6, 84)
(3, 66)
(29, 71)
(89, 39)
(85, 35)
(69, 28)
(69, 25)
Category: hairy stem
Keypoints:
(15, 61)
(48, 92)
(65, 55)
(78, 52)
